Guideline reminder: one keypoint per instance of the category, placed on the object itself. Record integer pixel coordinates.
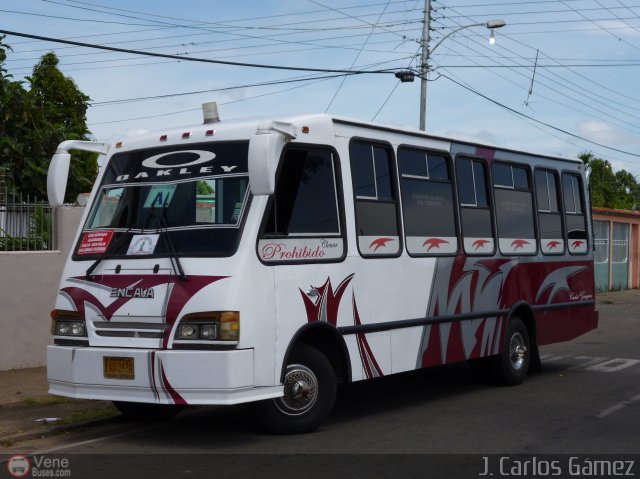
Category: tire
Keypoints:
(147, 412)
(511, 367)
(309, 394)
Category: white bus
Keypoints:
(269, 261)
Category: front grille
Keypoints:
(130, 330)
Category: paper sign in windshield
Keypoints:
(95, 242)
(142, 244)
(159, 196)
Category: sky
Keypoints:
(561, 78)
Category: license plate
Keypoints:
(118, 368)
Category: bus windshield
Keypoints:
(198, 196)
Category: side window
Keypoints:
(303, 219)
(375, 199)
(514, 209)
(427, 203)
(574, 216)
(475, 209)
(549, 216)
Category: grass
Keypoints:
(46, 400)
(92, 414)
(6, 443)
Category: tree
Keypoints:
(618, 190)
(35, 120)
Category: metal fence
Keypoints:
(26, 224)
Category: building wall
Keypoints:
(621, 270)
(28, 285)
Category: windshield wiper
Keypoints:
(116, 245)
(173, 255)
(164, 233)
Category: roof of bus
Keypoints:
(245, 127)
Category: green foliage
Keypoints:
(610, 189)
(36, 116)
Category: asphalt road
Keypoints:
(586, 400)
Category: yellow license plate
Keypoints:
(118, 368)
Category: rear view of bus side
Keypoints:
(266, 262)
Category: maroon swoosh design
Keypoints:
(380, 243)
(181, 292)
(434, 243)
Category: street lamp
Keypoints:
(426, 53)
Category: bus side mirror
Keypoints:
(265, 148)
(57, 178)
(264, 152)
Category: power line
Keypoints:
(220, 104)
(192, 59)
(587, 92)
(512, 110)
(373, 27)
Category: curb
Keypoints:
(19, 437)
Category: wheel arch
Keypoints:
(523, 310)
(327, 339)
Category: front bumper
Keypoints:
(160, 376)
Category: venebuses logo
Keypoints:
(18, 466)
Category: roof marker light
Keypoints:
(164, 137)
(186, 135)
(210, 132)
(305, 129)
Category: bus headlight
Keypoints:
(68, 323)
(213, 326)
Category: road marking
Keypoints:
(614, 365)
(618, 407)
(593, 363)
(588, 361)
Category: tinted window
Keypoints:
(542, 191)
(427, 208)
(510, 176)
(475, 212)
(572, 193)
(466, 186)
(362, 170)
(427, 203)
(520, 178)
(575, 221)
(370, 171)
(305, 198)
(502, 175)
(549, 218)
(375, 199)
(550, 226)
(514, 209)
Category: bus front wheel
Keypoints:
(309, 394)
(511, 367)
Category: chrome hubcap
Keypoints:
(517, 351)
(300, 391)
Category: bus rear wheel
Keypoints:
(309, 394)
(511, 367)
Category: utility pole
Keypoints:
(424, 65)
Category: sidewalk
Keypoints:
(27, 410)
